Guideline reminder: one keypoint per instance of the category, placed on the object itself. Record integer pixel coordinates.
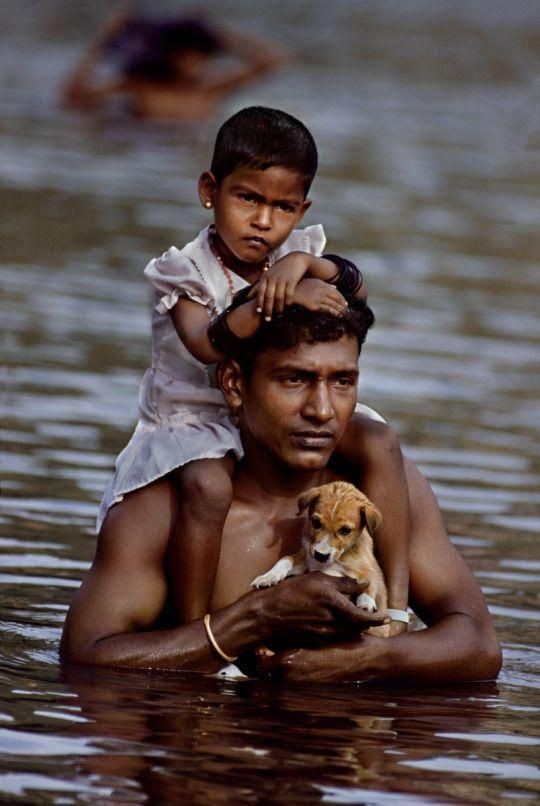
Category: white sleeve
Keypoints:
(173, 275)
(310, 239)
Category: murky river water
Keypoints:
(425, 117)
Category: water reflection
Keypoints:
(424, 116)
(140, 734)
(147, 737)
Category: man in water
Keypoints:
(166, 68)
(293, 389)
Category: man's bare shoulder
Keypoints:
(126, 588)
(138, 528)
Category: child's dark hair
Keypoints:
(259, 137)
(299, 325)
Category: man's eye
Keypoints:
(316, 522)
(344, 531)
(345, 382)
(247, 197)
(292, 380)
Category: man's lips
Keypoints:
(313, 440)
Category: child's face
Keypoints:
(254, 211)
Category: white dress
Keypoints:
(182, 415)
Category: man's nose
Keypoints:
(263, 216)
(319, 404)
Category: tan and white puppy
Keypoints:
(337, 540)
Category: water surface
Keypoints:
(425, 119)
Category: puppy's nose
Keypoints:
(320, 557)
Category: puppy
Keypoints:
(337, 539)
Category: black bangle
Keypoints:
(221, 336)
(240, 297)
(349, 279)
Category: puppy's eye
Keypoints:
(316, 522)
(344, 531)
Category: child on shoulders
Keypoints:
(263, 164)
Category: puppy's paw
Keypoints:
(265, 581)
(366, 602)
(274, 575)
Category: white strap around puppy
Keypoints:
(398, 615)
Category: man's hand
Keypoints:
(348, 660)
(313, 606)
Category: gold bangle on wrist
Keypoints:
(213, 642)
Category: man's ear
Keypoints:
(207, 189)
(231, 381)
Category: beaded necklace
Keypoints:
(226, 271)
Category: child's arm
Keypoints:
(192, 323)
(276, 288)
(374, 462)
(208, 341)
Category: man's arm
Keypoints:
(257, 57)
(459, 643)
(81, 89)
(114, 616)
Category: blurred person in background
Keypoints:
(169, 68)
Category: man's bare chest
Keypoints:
(252, 542)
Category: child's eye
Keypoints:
(286, 208)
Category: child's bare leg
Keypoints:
(205, 489)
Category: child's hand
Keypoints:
(316, 295)
(276, 288)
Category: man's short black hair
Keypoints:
(298, 325)
(259, 137)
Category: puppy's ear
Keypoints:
(310, 497)
(370, 517)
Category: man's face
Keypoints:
(297, 403)
(254, 211)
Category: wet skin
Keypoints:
(296, 404)
(307, 394)
(295, 407)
